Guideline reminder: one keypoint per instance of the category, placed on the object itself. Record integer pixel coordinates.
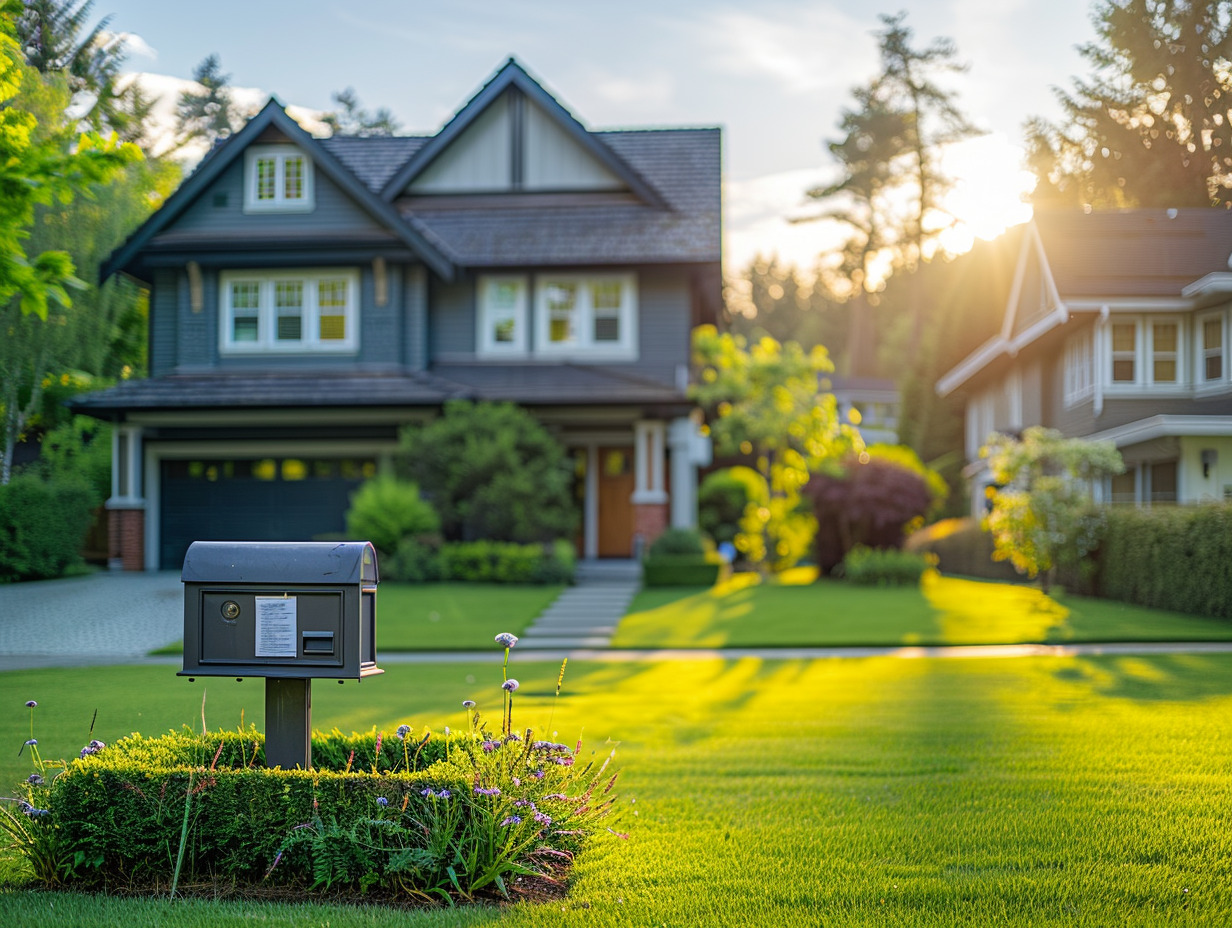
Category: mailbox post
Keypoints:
(286, 611)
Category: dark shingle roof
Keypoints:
(683, 165)
(373, 160)
(554, 384)
(1134, 253)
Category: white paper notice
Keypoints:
(276, 631)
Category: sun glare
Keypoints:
(988, 194)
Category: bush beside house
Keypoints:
(42, 527)
(679, 557)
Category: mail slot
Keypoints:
(280, 609)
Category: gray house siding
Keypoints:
(164, 332)
(663, 322)
(415, 301)
(451, 326)
(220, 211)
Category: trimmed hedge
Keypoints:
(481, 562)
(1178, 559)
(430, 815)
(680, 570)
(866, 566)
(42, 527)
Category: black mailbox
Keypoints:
(286, 611)
(280, 609)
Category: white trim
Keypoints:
(583, 346)
(266, 341)
(1217, 282)
(1164, 427)
(1201, 384)
(279, 203)
(590, 518)
(972, 364)
(486, 314)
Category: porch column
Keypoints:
(590, 514)
(649, 493)
(690, 450)
(126, 507)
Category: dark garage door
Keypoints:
(266, 499)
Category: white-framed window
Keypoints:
(291, 311)
(586, 315)
(1210, 360)
(1163, 350)
(277, 178)
(1079, 367)
(502, 314)
(1124, 339)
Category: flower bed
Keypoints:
(408, 815)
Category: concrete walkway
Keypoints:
(586, 614)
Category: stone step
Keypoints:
(600, 641)
(567, 629)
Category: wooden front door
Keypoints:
(615, 502)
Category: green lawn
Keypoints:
(448, 616)
(943, 610)
(874, 792)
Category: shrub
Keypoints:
(885, 566)
(402, 814)
(415, 561)
(42, 527)
(491, 472)
(869, 502)
(681, 570)
(385, 510)
(677, 541)
(722, 499)
(962, 548)
(1168, 558)
(505, 562)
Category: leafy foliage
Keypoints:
(1149, 125)
(1041, 515)
(866, 566)
(962, 548)
(723, 499)
(677, 541)
(765, 402)
(42, 527)
(352, 119)
(385, 511)
(209, 113)
(492, 473)
(870, 502)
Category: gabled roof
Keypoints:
(512, 75)
(1116, 258)
(224, 154)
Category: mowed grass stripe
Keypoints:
(862, 792)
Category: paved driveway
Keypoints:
(105, 618)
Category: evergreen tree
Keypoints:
(1149, 126)
(352, 119)
(211, 113)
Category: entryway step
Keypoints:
(531, 643)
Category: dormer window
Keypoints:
(277, 178)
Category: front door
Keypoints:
(616, 482)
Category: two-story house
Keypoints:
(1116, 328)
(308, 297)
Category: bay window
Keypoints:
(1210, 349)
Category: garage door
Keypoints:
(266, 499)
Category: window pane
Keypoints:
(1164, 371)
(1123, 337)
(503, 294)
(1212, 333)
(293, 178)
(562, 307)
(1163, 336)
(607, 328)
(1214, 367)
(331, 304)
(246, 295)
(606, 294)
(290, 328)
(244, 329)
(1163, 482)
(1123, 487)
(265, 178)
(289, 308)
(1123, 371)
(503, 330)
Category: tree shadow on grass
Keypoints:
(1153, 678)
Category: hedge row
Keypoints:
(427, 815)
(480, 562)
(962, 549)
(42, 527)
(1168, 558)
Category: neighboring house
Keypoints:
(308, 297)
(1117, 329)
(875, 399)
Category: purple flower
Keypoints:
(427, 792)
(488, 791)
(30, 704)
(444, 794)
(516, 781)
(403, 731)
(468, 704)
(538, 774)
(511, 820)
(35, 780)
(513, 735)
(382, 801)
(510, 685)
(506, 640)
(560, 796)
(446, 731)
(543, 819)
(562, 761)
(98, 745)
(31, 742)
(522, 803)
(488, 747)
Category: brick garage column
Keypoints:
(126, 538)
(649, 494)
(649, 521)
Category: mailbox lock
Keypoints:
(230, 609)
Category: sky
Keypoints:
(774, 74)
